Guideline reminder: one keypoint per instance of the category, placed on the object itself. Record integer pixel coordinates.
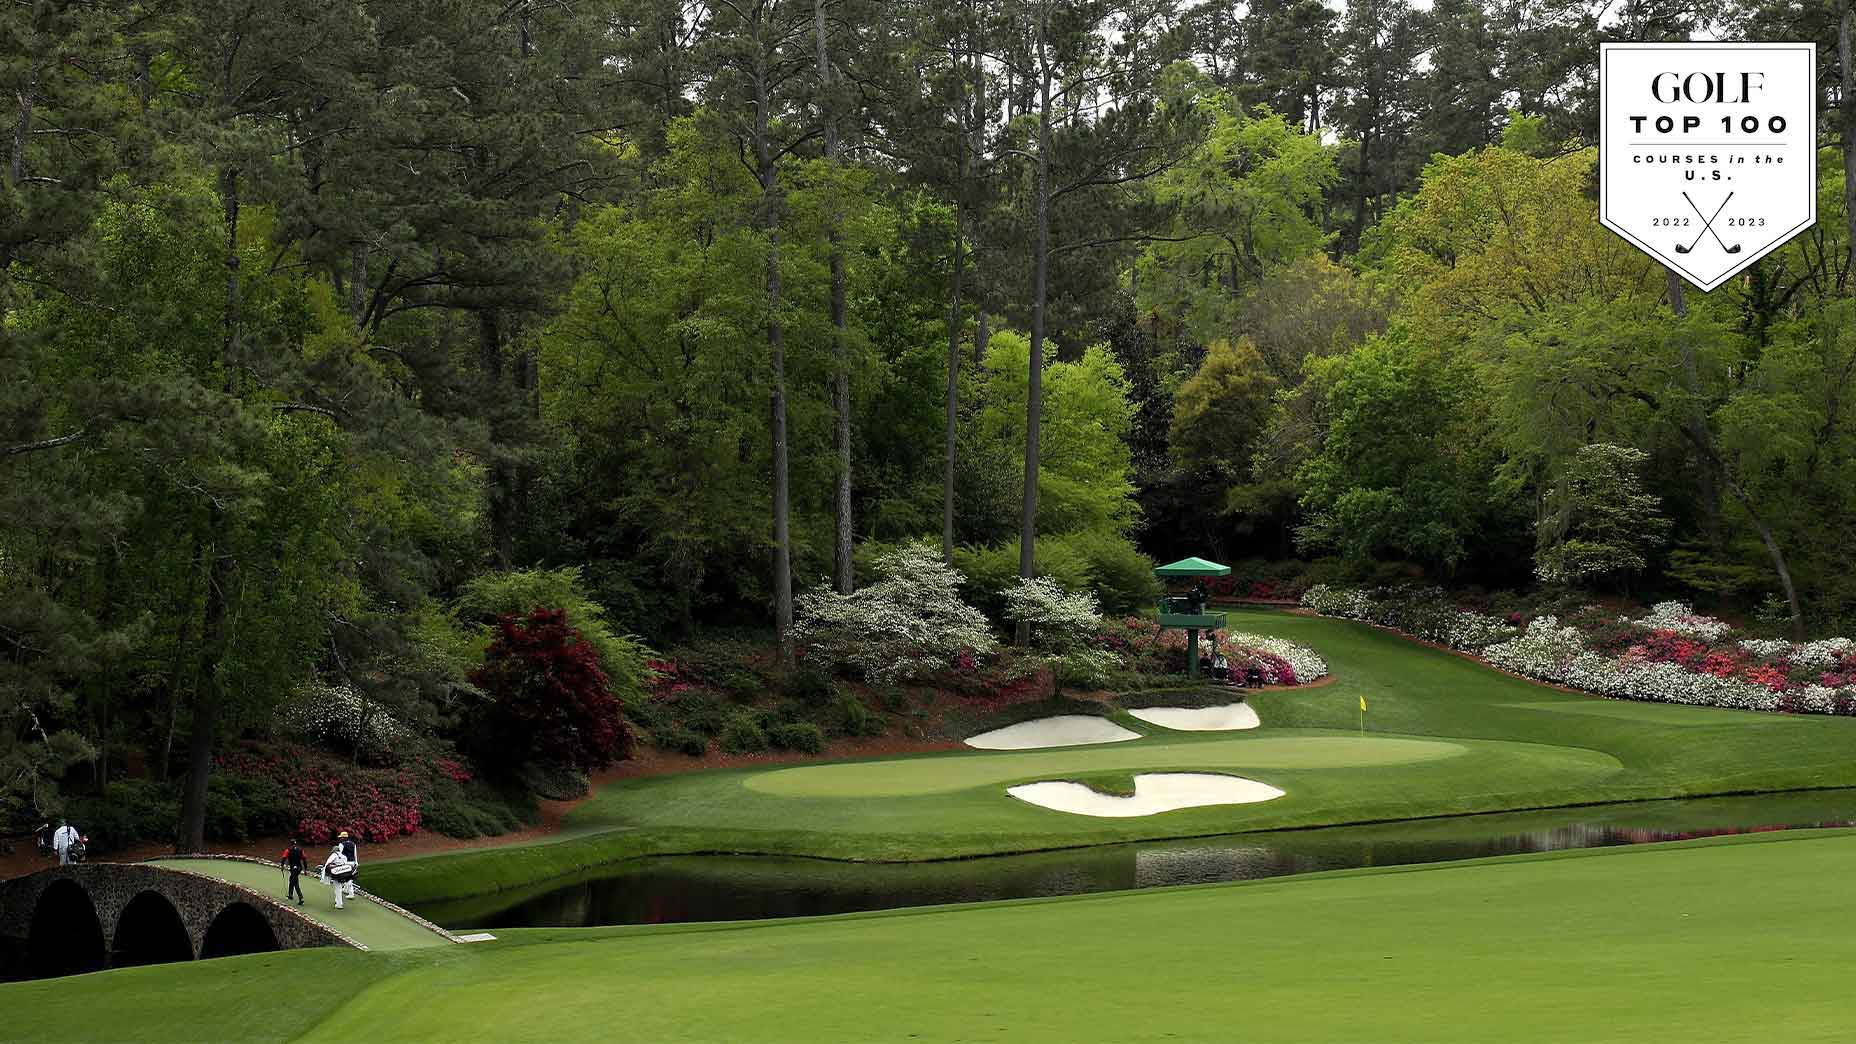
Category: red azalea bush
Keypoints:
(667, 679)
(550, 700)
(326, 795)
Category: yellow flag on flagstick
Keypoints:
(1362, 705)
(1362, 715)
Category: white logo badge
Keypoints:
(1708, 151)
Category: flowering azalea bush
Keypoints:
(908, 624)
(325, 795)
(1678, 618)
(1671, 654)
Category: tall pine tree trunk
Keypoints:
(842, 570)
(776, 353)
(204, 731)
(1040, 287)
(951, 435)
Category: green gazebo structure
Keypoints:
(1187, 612)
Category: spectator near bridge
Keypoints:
(62, 839)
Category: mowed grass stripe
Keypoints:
(959, 772)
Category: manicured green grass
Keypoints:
(907, 776)
(1742, 939)
(360, 919)
(1510, 744)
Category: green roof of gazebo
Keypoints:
(1192, 567)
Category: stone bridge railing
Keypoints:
(90, 916)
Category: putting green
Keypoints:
(899, 777)
(1444, 736)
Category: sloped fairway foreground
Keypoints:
(1659, 945)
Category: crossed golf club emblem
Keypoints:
(1707, 227)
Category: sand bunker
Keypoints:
(1064, 730)
(1154, 792)
(1230, 717)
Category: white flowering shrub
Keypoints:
(910, 623)
(1060, 620)
(1765, 648)
(1305, 662)
(1558, 654)
(1821, 655)
(1680, 619)
(1334, 601)
(341, 715)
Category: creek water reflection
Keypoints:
(725, 888)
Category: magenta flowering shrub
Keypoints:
(326, 795)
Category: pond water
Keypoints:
(726, 888)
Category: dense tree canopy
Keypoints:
(336, 334)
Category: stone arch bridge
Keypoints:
(91, 916)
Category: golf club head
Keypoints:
(1680, 249)
(1735, 249)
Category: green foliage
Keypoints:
(1220, 411)
(239, 808)
(855, 718)
(1085, 476)
(1399, 473)
(810, 686)
(553, 781)
(682, 740)
(490, 596)
(473, 810)
(1120, 576)
(133, 810)
(1251, 191)
(742, 734)
(802, 736)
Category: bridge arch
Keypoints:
(69, 919)
(149, 931)
(66, 936)
(238, 929)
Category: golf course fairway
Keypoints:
(1732, 940)
(1443, 735)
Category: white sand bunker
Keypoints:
(1228, 718)
(1154, 792)
(1064, 730)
